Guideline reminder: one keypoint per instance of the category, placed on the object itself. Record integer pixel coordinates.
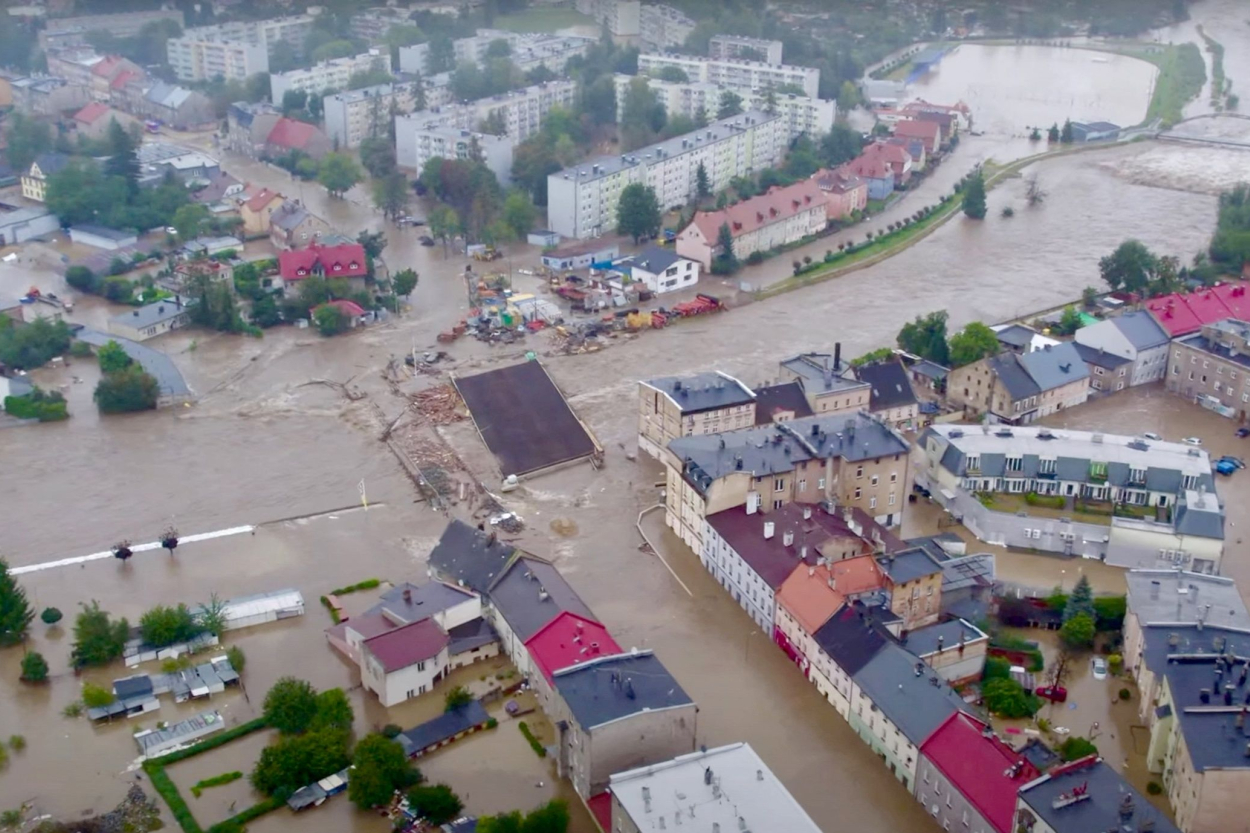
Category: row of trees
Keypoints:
(926, 337)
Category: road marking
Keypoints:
(136, 548)
(656, 549)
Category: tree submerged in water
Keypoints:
(122, 550)
(169, 539)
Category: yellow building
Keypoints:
(35, 181)
(683, 406)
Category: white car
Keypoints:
(1192, 441)
(170, 230)
(1100, 668)
(1151, 435)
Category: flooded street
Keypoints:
(261, 446)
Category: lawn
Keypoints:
(1011, 504)
(542, 20)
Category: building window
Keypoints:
(892, 497)
(872, 502)
(894, 477)
(779, 484)
(859, 473)
(802, 485)
(875, 479)
(859, 493)
(820, 484)
(777, 504)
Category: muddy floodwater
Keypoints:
(266, 444)
(1011, 87)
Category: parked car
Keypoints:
(1236, 461)
(1100, 668)
(1192, 441)
(426, 240)
(1054, 693)
(1224, 467)
(1242, 433)
(1151, 435)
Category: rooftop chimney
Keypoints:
(837, 356)
(408, 595)
(769, 526)
(787, 538)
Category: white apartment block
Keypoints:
(736, 48)
(451, 143)
(196, 58)
(622, 17)
(582, 200)
(353, 116)
(813, 116)
(327, 75)
(522, 110)
(373, 24)
(663, 27)
(526, 51)
(735, 74)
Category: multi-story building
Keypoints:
(1086, 796)
(373, 24)
(913, 580)
(735, 74)
(203, 57)
(738, 48)
(662, 27)
(698, 99)
(828, 382)
(526, 51)
(1129, 502)
(355, 115)
(521, 112)
(327, 75)
(968, 778)
(683, 406)
(46, 96)
(452, 143)
(616, 713)
(1016, 389)
(1212, 367)
(780, 217)
(848, 460)
(731, 786)
(623, 18)
(35, 180)
(582, 200)
(61, 32)
(812, 595)
(1134, 336)
(1185, 313)
(892, 397)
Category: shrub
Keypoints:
(98, 639)
(492, 723)
(1154, 788)
(215, 781)
(457, 698)
(81, 278)
(80, 349)
(50, 616)
(95, 696)
(437, 803)
(296, 760)
(290, 706)
(755, 258)
(1125, 694)
(1008, 699)
(379, 767)
(34, 668)
(996, 668)
(73, 709)
(535, 743)
(367, 584)
(1115, 663)
(162, 625)
(1075, 747)
(236, 657)
(10, 819)
(45, 406)
(1078, 632)
(391, 730)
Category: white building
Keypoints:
(662, 270)
(813, 116)
(622, 17)
(732, 787)
(737, 48)
(1134, 336)
(527, 51)
(522, 112)
(150, 321)
(663, 27)
(327, 75)
(451, 143)
(356, 115)
(735, 74)
(582, 200)
(233, 50)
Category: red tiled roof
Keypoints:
(123, 78)
(567, 640)
(405, 646)
(891, 152)
(352, 308)
(813, 594)
(91, 113)
(839, 180)
(978, 767)
(918, 129)
(289, 133)
(870, 166)
(777, 205)
(343, 261)
(106, 66)
(1235, 297)
(1182, 313)
(261, 199)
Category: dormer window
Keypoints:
(301, 271)
(338, 267)
(355, 265)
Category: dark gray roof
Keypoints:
(940, 636)
(1104, 806)
(139, 685)
(1159, 641)
(915, 704)
(102, 231)
(446, 725)
(852, 637)
(1054, 366)
(1213, 737)
(611, 688)
(818, 373)
(469, 557)
(51, 163)
(530, 593)
(1019, 384)
(787, 396)
(931, 369)
(150, 315)
(1182, 597)
(1200, 515)
(703, 391)
(1100, 358)
(1016, 335)
(1142, 331)
(472, 634)
(908, 565)
(156, 363)
(655, 259)
(1039, 754)
(890, 386)
(422, 602)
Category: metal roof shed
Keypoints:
(261, 608)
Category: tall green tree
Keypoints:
(98, 638)
(730, 105)
(132, 389)
(518, 214)
(34, 667)
(1129, 268)
(379, 768)
(377, 155)
(162, 625)
(1052, 135)
(113, 357)
(974, 196)
(1065, 135)
(973, 343)
(436, 803)
(444, 224)
(638, 212)
(404, 281)
(926, 337)
(27, 138)
(290, 705)
(390, 194)
(338, 172)
(726, 261)
(703, 185)
(123, 158)
(1080, 600)
(841, 144)
(15, 610)
(642, 116)
(190, 220)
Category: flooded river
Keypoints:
(262, 446)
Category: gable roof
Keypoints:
(1142, 331)
(915, 128)
(1183, 313)
(916, 704)
(814, 593)
(407, 644)
(469, 557)
(838, 180)
(1015, 335)
(351, 308)
(771, 558)
(777, 205)
(655, 259)
(446, 725)
(611, 688)
(530, 593)
(91, 113)
(261, 199)
(771, 399)
(51, 163)
(346, 260)
(869, 166)
(983, 768)
(701, 392)
(1007, 369)
(289, 133)
(852, 637)
(1099, 357)
(890, 386)
(1235, 297)
(569, 640)
(1054, 366)
(1106, 800)
(408, 602)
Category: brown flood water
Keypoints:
(260, 445)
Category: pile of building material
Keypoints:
(156, 742)
(439, 405)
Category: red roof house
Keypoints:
(1235, 297)
(290, 134)
(404, 646)
(351, 308)
(779, 207)
(929, 132)
(1182, 313)
(91, 113)
(983, 769)
(567, 640)
(346, 260)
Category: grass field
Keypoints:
(542, 20)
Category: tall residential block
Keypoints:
(738, 48)
(736, 74)
(622, 17)
(356, 115)
(327, 75)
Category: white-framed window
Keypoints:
(872, 502)
(859, 493)
(875, 480)
(820, 484)
(894, 477)
(892, 498)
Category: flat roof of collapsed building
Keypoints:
(524, 419)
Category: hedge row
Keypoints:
(236, 823)
(535, 743)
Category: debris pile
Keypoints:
(439, 405)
